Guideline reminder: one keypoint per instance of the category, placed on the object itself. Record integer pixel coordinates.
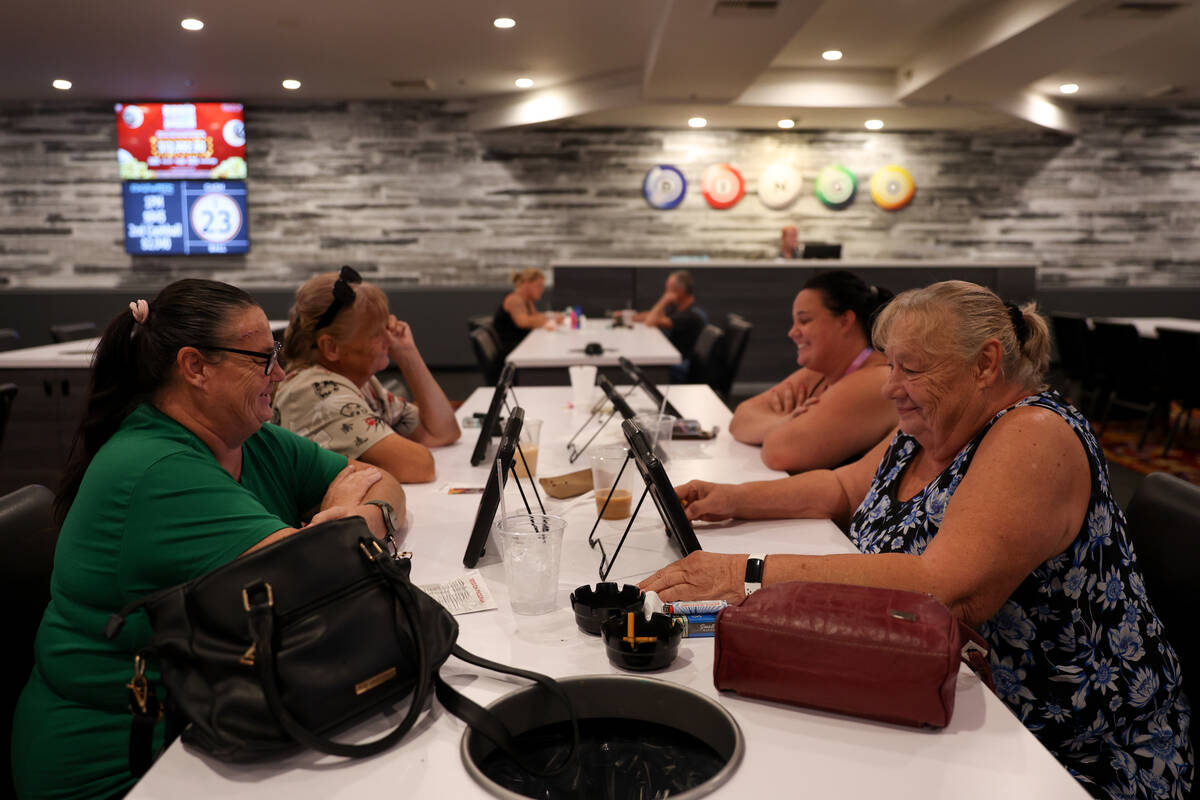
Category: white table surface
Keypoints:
(562, 347)
(984, 753)
(1146, 326)
(70, 355)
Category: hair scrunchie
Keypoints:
(1018, 322)
(140, 310)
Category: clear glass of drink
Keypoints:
(531, 546)
(658, 427)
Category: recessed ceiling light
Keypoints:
(504, 22)
(291, 84)
(524, 83)
(61, 84)
(1069, 88)
(191, 24)
(697, 122)
(832, 55)
(786, 123)
(873, 124)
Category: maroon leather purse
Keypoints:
(883, 654)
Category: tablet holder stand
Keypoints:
(573, 452)
(606, 563)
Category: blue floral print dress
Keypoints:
(1077, 651)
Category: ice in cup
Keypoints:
(531, 546)
(531, 432)
(606, 464)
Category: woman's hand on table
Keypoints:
(701, 576)
(710, 502)
(349, 488)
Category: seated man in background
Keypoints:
(338, 337)
(678, 316)
(789, 243)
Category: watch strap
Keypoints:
(389, 514)
(754, 572)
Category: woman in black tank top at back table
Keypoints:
(517, 315)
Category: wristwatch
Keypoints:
(754, 572)
(390, 523)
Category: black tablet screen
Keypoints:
(491, 422)
(679, 527)
(491, 492)
(613, 395)
(639, 377)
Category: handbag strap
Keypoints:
(974, 653)
(488, 725)
(262, 632)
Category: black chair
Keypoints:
(708, 357)
(27, 538)
(1164, 526)
(737, 336)
(1073, 335)
(8, 394)
(71, 331)
(1180, 352)
(479, 322)
(9, 339)
(486, 345)
(1127, 372)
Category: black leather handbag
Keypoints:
(284, 646)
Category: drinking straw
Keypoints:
(500, 483)
(661, 410)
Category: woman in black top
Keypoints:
(517, 315)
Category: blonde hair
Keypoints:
(955, 318)
(312, 299)
(526, 275)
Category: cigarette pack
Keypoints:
(698, 625)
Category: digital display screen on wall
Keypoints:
(185, 217)
(181, 140)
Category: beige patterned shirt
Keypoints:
(329, 409)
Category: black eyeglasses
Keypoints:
(343, 295)
(272, 357)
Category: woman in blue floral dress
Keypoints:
(994, 496)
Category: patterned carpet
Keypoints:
(1120, 446)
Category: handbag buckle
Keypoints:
(246, 594)
(140, 693)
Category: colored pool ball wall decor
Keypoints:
(779, 185)
(835, 186)
(892, 187)
(723, 186)
(664, 187)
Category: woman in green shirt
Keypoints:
(173, 474)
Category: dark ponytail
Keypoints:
(844, 291)
(133, 360)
